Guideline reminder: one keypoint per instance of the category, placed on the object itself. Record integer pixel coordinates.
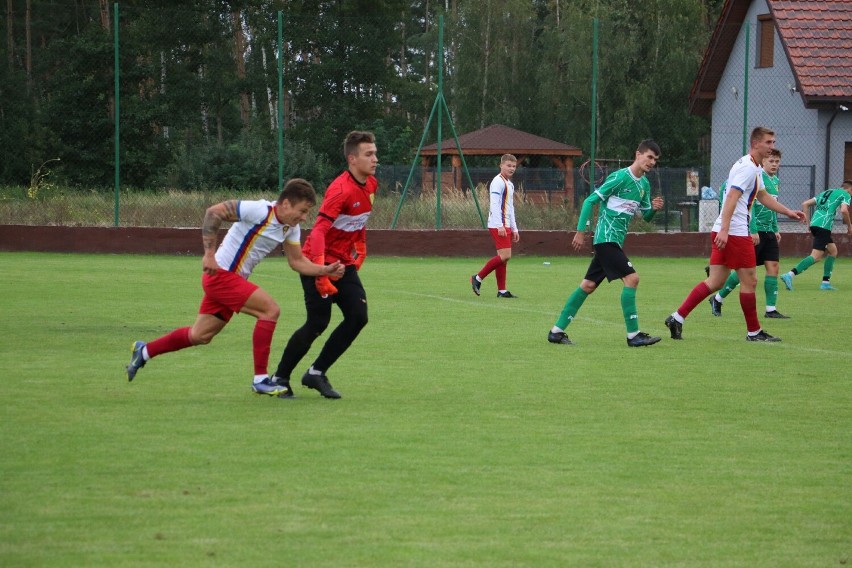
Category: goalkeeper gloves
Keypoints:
(325, 287)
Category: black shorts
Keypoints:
(609, 262)
(767, 248)
(822, 238)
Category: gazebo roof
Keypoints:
(497, 139)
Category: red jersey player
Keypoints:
(340, 228)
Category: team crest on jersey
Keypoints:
(356, 205)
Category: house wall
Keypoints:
(841, 134)
(772, 102)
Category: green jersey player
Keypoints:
(623, 194)
(763, 227)
(825, 205)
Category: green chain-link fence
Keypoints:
(205, 113)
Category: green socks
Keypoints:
(828, 268)
(770, 286)
(572, 306)
(731, 283)
(628, 308)
(804, 264)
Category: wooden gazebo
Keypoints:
(496, 140)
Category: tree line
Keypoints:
(198, 82)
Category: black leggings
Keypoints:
(352, 301)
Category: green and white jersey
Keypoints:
(764, 219)
(827, 204)
(622, 196)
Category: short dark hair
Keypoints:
(759, 133)
(353, 139)
(847, 182)
(775, 152)
(297, 190)
(649, 144)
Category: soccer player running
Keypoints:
(765, 236)
(501, 225)
(258, 227)
(623, 194)
(731, 242)
(340, 227)
(825, 205)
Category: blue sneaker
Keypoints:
(826, 286)
(787, 280)
(266, 386)
(137, 361)
(288, 392)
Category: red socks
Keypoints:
(174, 341)
(261, 343)
(497, 266)
(500, 274)
(261, 340)
(698, 295)
(748, 302)
(490, 266)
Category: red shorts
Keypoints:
(738, 252)
(224, 294)
(502, 242)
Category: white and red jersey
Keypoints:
(254, 236)
(342, 219)
(501, 211)
(744, 179)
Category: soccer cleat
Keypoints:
(321, 384)
(559, 337)
(642, 339)
(505, 294)
(286, 384)
(775, 314)
(268, 387)
(715, 306)
(787, 280)
(137, 361)
(675, 327)
(763, 336)
(475, 284)
(826, 286)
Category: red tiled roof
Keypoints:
(498, 139)
(816, 36)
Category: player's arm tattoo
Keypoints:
(213, 219)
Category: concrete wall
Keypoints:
(476, 243)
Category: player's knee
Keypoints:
(631, 280)
(588, 286)
(270, 312)
(201, 338)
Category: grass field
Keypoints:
(463, 438)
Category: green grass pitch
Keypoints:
(463, 438)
